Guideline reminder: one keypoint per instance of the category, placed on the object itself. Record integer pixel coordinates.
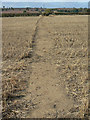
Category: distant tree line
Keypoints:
(78, 11)
(47, 12)
(19, 14)
(74, 10)
(64, 13)
(6, 9)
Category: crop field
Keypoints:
(45, 67)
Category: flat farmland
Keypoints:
(45, 67)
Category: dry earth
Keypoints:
(45, 67)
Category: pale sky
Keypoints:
(45, 0)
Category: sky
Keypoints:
(48, 3)
(45, 0)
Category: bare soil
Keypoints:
(45, 67)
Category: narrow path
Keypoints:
(46, 90)
(36, 30)
(33, 43)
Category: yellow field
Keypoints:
(45, 67)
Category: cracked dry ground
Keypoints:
(45, 61)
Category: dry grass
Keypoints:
(67, 49)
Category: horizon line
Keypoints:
(47, 2)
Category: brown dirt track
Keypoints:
(45, 67)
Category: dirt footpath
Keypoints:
(53, 72)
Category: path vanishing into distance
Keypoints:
(55, 78)
(46, 89)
